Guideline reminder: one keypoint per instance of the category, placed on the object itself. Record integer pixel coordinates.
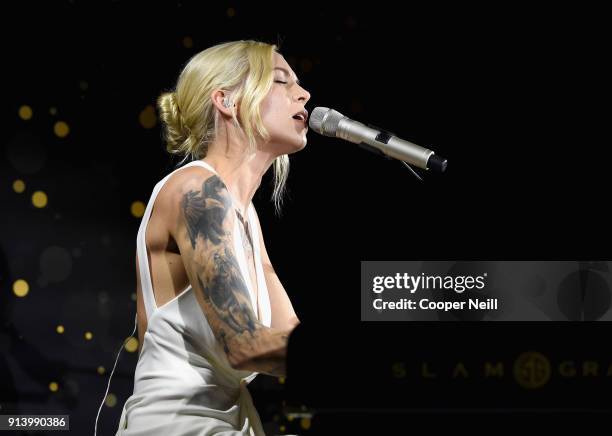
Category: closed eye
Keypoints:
(279, 81)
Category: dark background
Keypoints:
(511, 95)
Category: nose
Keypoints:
(303, 95)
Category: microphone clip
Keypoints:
(383, 137)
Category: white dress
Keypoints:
(183, 383)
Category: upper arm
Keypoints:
(203, 233)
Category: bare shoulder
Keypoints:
(186, 179)
(176, 190)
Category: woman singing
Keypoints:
(211, 312)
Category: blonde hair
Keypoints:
(244, 70)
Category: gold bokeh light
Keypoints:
(61, 129)
(111, 400)
(25, 112)
(137, 209)
(147, 117)
(131, 344)
(21, 288)
(19, 186)
(39, 199)
(305, 423)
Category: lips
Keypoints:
(301, 115)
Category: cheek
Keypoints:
(274, 109)
(275, 120)
(275, 114)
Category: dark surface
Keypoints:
(501, 366)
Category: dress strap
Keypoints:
(204, 164)
(262, 289)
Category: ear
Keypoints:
(217, 98)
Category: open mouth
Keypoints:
(302, 117)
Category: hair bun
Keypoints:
(176, 133)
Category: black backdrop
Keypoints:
(509, 95)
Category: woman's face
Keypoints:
(285, 99)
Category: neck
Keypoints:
(241, 174)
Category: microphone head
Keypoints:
(324, 121)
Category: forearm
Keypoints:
(266, 351)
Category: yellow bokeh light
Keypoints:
(131, 345)
(187, 42)
(231, 12)
(53, 110)
(305, 423)
(61, 129)
(60, 329)
(19, 186)
(88, 336)
(147, 117)
(25, 112)
(21, 288)
(281, 380)
(111, 400)
(53, 387)
(101, 370)
(138, 209)
(39, 199)
(282, 428)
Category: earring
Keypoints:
(226, 102)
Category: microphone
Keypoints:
(329, 122)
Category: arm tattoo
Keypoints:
(219, 277)
(204, 213)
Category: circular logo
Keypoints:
(532, 370)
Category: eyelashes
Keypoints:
(280, 81)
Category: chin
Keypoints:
(291, 145)
(299, 146)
